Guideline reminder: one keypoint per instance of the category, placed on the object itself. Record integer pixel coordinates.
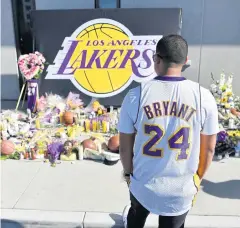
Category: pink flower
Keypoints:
(20, 62)
(28, 76)
(22, 57)
(31, 65)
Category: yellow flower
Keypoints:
(224, 99)
(100, 111)
(234, 133)
(95, 105)
(227, 105)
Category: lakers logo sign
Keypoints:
(102, 57)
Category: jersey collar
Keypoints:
(171, 79)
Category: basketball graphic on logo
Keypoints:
(100, 59)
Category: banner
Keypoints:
(100, 53)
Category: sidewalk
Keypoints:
(90, 193)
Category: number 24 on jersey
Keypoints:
(179, 141)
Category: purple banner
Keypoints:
(32, 93)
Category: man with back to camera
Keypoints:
(168, 129)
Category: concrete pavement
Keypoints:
(90, 193)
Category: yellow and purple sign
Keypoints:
(102, 58)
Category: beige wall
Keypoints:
(64, 4)
(9, 70)
(212, 29)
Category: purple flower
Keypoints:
(54, 151)
(222, 135)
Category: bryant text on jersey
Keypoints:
(169, 108)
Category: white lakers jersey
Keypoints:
(168, 114)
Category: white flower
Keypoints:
(213, 88)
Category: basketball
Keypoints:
(68, 117)
(7, 147)
(89, 144)
(113, 144)
(102, 37)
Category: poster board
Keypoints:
(100, 52)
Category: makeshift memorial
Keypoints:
(57, 122)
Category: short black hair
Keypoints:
(173, 49)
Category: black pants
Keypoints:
(137, 216)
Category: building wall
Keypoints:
(221, 40)
(212, 29)
(9, 70)
(64, 4)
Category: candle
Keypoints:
(81, 153)
(99, 125)
(94, 125)
(81, 122)
(231, 123)
(111, 109)
(61, 117)
(105, 126)
(37, 122)
(87, 125)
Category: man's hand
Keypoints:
(207, 149)
(127, 178)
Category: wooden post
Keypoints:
(20, 96)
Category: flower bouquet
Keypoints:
(31, 67)
(229, 116)
(227, 102)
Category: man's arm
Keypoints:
(126, 151)
(207, 148)
(209, 132)
(128, 116)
